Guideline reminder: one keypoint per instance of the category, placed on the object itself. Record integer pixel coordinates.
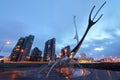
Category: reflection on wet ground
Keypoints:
(58, 74)
(69, 73)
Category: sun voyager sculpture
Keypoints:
(63, 65)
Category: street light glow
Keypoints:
(7, 42)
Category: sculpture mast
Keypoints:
(76, 34)
(91, 22)
(72, 53)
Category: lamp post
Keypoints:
(1, 48)
(5, 43)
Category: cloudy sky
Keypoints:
(46, 19)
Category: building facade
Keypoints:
(49, 50)
(36, 55)
(65, 51)
(22, 48)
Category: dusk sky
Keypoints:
(46, 19)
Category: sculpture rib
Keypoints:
(72, 53)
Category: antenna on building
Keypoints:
(76, 34)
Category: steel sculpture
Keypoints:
(76, 34)
(69, 57)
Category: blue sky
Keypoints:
(54, 18)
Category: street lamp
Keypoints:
(5, 43)
(2, 46)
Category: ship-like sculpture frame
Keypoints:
(69, 57)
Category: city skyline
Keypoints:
(48, 19)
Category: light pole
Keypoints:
(5, 43)
(1, 48)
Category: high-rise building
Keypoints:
(27, 46)
(16, 50)
(22, 48)
(49, 50)
(35, 54)
(65, 51)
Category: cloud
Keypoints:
(106, 46)
(99, 49)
